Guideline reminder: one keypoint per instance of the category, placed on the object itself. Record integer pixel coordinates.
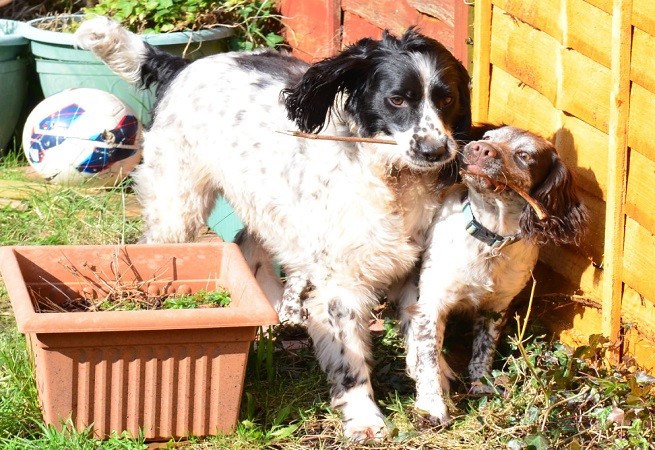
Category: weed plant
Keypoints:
(549, 396)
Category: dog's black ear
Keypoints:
(567, 216)
(309, 102)
(462, 125)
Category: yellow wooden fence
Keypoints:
(582, 73)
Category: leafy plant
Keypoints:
(256, 21)
(202, 298)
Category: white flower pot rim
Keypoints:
(10, 33)
(30, 31)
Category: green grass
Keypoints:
(551, 396)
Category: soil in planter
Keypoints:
(102, 293)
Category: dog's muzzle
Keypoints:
(433, 150)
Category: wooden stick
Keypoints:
(538, 208)
(339, 138)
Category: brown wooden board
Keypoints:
(639, 259)
(643, 52)
(640, 198)
(585, 23)
(640, 131)
(643, 15)
(538, 14)
(397, 16)
(313, 27)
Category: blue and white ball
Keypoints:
(82, 136)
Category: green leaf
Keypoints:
(282, 433)
(537, 442)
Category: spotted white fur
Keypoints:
(350, 217)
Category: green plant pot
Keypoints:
(223, 220)
(13, 78)
(60, 65)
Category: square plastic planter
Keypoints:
(170, 373)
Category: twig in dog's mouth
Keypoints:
(339, 138)
(534, 204)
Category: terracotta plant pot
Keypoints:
(170, 373)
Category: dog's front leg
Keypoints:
(291, 310)
(487, 328)
(338, 325)
(423, 322)
(431, 372)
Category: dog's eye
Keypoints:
(525, 156)
(446, 101)
(397, 100)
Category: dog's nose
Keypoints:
(482, 150)
(432, 149)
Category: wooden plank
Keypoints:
(638, 263)
(639, 309)
(643, 49)
(444, 10)
(513, 102)
(605, 5)
(481, 73)
(617, 164)
(640, 197)
(638, 317)
(640, 346)
(513, 46)
(643, 15)
(592, 244)
(586, 23)
(570, 315)
(640, 132)
(571, 320)
(585, 89)
(356, 28)
(542, 15)
(463, 33)
(575, 267)
(397, 16)
(313, 27)
(584, 149)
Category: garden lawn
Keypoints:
(549, 395)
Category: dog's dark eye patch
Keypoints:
(442, 96)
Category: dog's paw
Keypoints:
(291, 314)
(366, 429)
(434, 408)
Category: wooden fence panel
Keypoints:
(579, 72)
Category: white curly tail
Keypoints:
(122, 51)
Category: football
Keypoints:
(82, 136)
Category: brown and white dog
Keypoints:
(481, 249)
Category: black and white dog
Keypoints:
(349, 216)
(481, 250)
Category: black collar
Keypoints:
(480, 232)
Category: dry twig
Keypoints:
(323, 137)
(534, 204)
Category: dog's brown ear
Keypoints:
(567, 216)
